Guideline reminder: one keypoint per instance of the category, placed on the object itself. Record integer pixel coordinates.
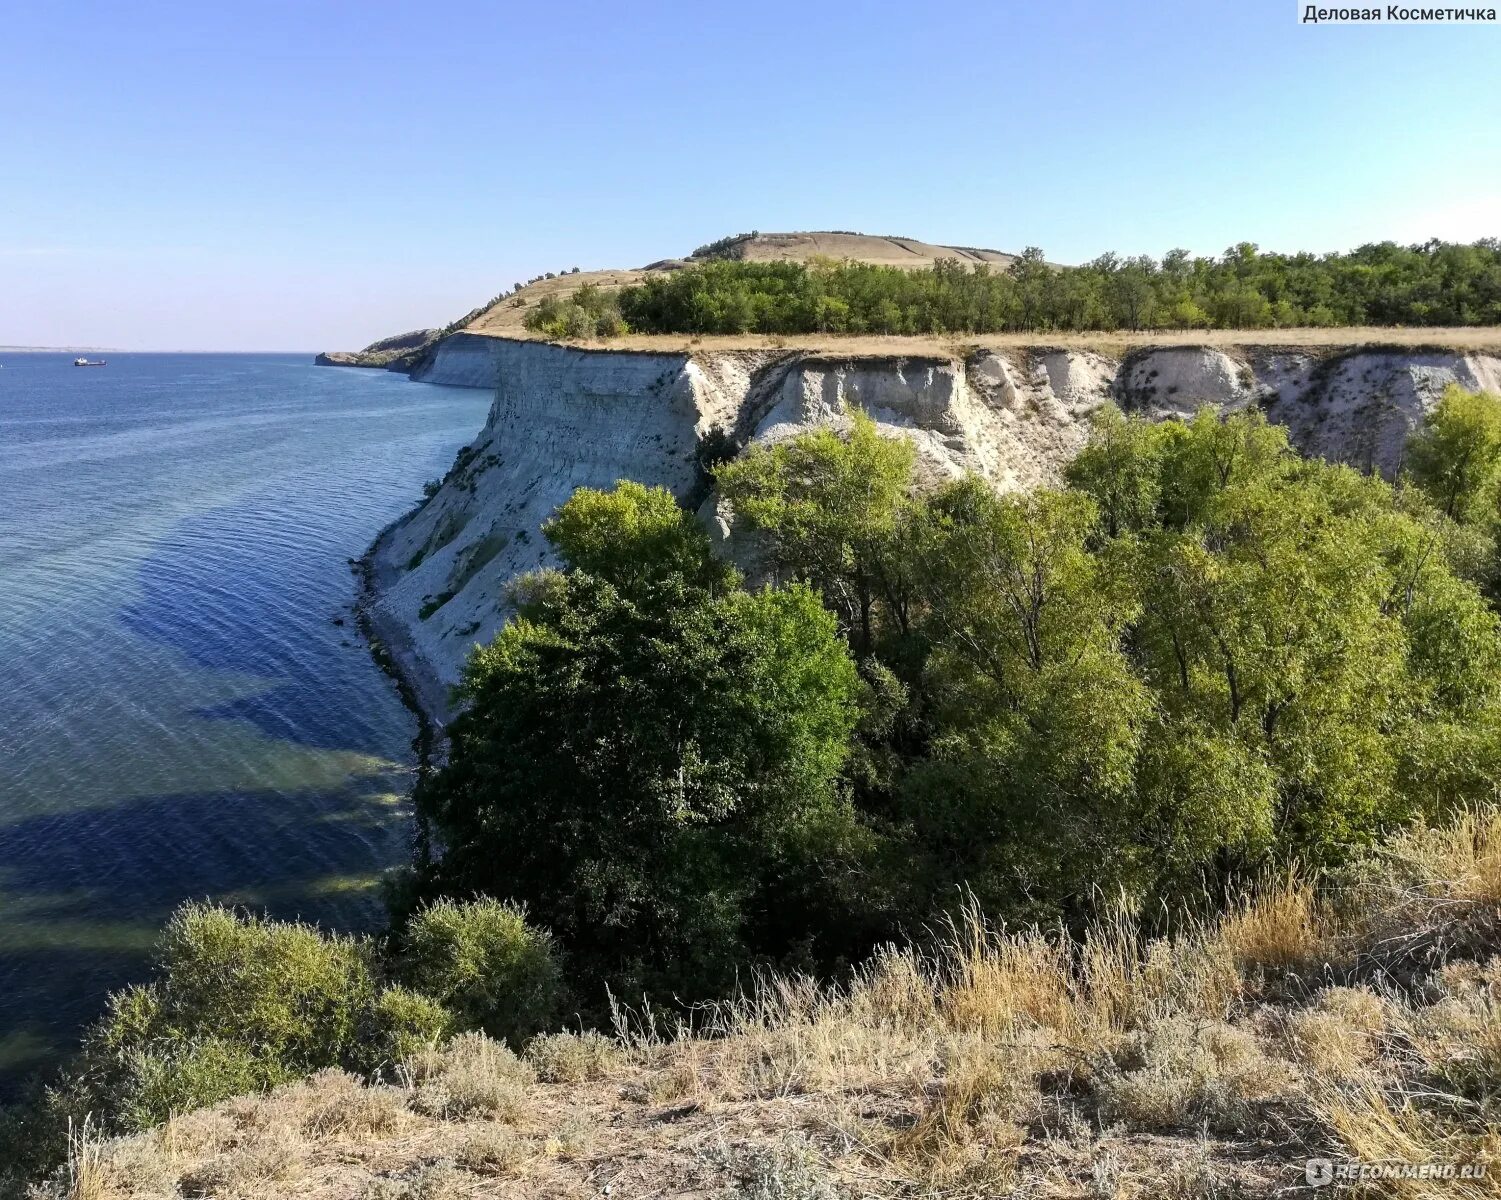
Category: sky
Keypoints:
(314, 175)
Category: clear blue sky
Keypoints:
(269, 175)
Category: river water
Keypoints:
(188, 709)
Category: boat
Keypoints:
(84, 362)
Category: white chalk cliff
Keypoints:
(564, 417)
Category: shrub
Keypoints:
(481, 961)
(181, 1076)
(295, 994)
(404, 1023)
(587, 313)
(471, 1076)
(573, 1057)
(241, 1003)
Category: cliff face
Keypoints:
(565, 417)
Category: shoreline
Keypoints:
(381, 640)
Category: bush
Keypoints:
(241, 1003)
(573, 1057)
(405, 1022)
(181, 1076)
(587, 313)
(483, 963)
(295, 994)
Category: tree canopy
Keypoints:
(650, 755)
(1201, 656)
(1433, 284)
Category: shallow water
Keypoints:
(183, 715)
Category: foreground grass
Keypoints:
(1361, 1022)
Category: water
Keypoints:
(183, 715)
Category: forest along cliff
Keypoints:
(565, 417)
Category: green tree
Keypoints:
(649, 757)
(1025, 797)
(1456, 456)
(1301, 611)
(1120, 468)
(832, 506)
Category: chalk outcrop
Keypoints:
(565, 417)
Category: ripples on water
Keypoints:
(183, 718)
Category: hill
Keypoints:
(504, 316)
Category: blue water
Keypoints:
(183, 715)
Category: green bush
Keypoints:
(294, 993)
(482, 962)
(240, 1003)
(587, 313)
(404, 1022)
(180, 1076)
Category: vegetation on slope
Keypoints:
(1357, 1026)
(1203, 657)
(1092, 712)
(1434, 284)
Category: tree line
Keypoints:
(1433, 284)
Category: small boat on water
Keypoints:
(85, 362)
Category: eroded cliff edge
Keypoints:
(565, 417)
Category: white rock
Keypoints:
(565, 418)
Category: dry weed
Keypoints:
(341, 1105)
(472, 1075)
(435, 1181)
(1374, 1127)
(1280, 932)
(1336, 1036)
(574, 1057)
(495, 1150)
(269, 1153)
(1186, 1073)
(87, 1174)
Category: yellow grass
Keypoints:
(992, 1063)
(506, 321)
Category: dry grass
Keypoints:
(999, 1063)
(505, 321)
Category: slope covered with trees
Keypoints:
(1434, 284)
(1202, 657)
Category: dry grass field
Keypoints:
(1114, 345)
(1363, 1022)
